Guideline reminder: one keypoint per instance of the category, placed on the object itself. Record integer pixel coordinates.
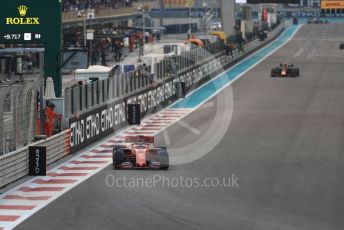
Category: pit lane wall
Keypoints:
(109, 114)
(194, 68)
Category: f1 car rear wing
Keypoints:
(134, 139)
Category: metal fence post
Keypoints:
(2, 99)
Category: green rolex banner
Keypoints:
(35, 22)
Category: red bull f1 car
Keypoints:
(285, 70)
(139, 152)
(316, 21)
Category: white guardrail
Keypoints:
(14, 166)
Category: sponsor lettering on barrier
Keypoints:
(302, 14)
(181, 90)
(37, 160)
(94, 125)
(134, 114)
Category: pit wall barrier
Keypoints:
(14, 166)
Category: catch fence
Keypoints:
(18, 115)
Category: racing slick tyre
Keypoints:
(164, 159)
(117, 157)
(297, 70)
(273, 73)
(341, 46)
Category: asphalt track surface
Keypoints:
(284, 143)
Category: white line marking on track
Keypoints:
(189, 127)
(167, 138)
(299, 53)
(208, 105)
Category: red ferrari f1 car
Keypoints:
(139, 152)
(285, 70)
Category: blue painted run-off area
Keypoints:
(209, 89)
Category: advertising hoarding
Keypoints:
(333, 4)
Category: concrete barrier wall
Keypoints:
(14, 166)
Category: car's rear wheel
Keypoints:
(164, 159)
(296, 72)
(117, 157)
(276, 72)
